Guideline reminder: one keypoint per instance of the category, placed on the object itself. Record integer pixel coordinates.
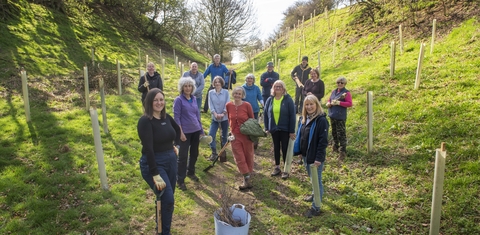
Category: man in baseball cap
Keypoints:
(267, 79)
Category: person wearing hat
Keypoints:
(301, 71)
(267, 79)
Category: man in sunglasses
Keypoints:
(337, 104)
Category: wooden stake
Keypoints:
(163, 68)
(434, 29)
(93, 57)
(392, 59)
(104, 106)
(370, 121)
(400, 30)
(319, 66)
(419, 66)
(119, 78)
(26, 100)
(87, 89)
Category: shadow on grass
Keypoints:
(53, 184)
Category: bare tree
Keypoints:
(224, 25)
(165, 17)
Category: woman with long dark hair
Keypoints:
(158, 133)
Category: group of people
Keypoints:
(164, 137)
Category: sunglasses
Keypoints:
(339, 82)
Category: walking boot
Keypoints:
(334, 148)
(247, 184)
(212, 157)
(342, 156)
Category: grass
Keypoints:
(49, 181)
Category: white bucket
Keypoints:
(238, 213)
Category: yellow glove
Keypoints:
(335, 102)
(159, 183)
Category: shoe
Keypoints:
(312, 212)
(223, 156)
(193, 177)
(247, 184)
(299, 162)
(342, 156)
(182, 186)
(276, 171)
(334, 149)
(308, 198)
(212, 157)
(285, 175)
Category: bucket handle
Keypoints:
(240, 206)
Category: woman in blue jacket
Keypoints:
(311, 143)
(279, 120)
(253, 96)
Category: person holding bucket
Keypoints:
(311, 143)
(240, 111)
(158, 132)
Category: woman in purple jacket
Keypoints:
(187, 116)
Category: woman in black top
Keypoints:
(151, 79)
(158, 133)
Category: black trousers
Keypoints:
(298, 100)
(280, 141)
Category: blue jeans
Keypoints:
(167, 168)
(319, 171)
(199, 103)
(213, 133)
(186, 164)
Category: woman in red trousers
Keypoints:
(240, 111)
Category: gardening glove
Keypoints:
(159, 183)
(230, 137)
(329, 104)
(146, 84)
(335, 102)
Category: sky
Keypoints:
(270, 15)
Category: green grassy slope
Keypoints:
(49, 43)
(393, 184)
(49, 180)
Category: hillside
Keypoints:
(49, 181)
